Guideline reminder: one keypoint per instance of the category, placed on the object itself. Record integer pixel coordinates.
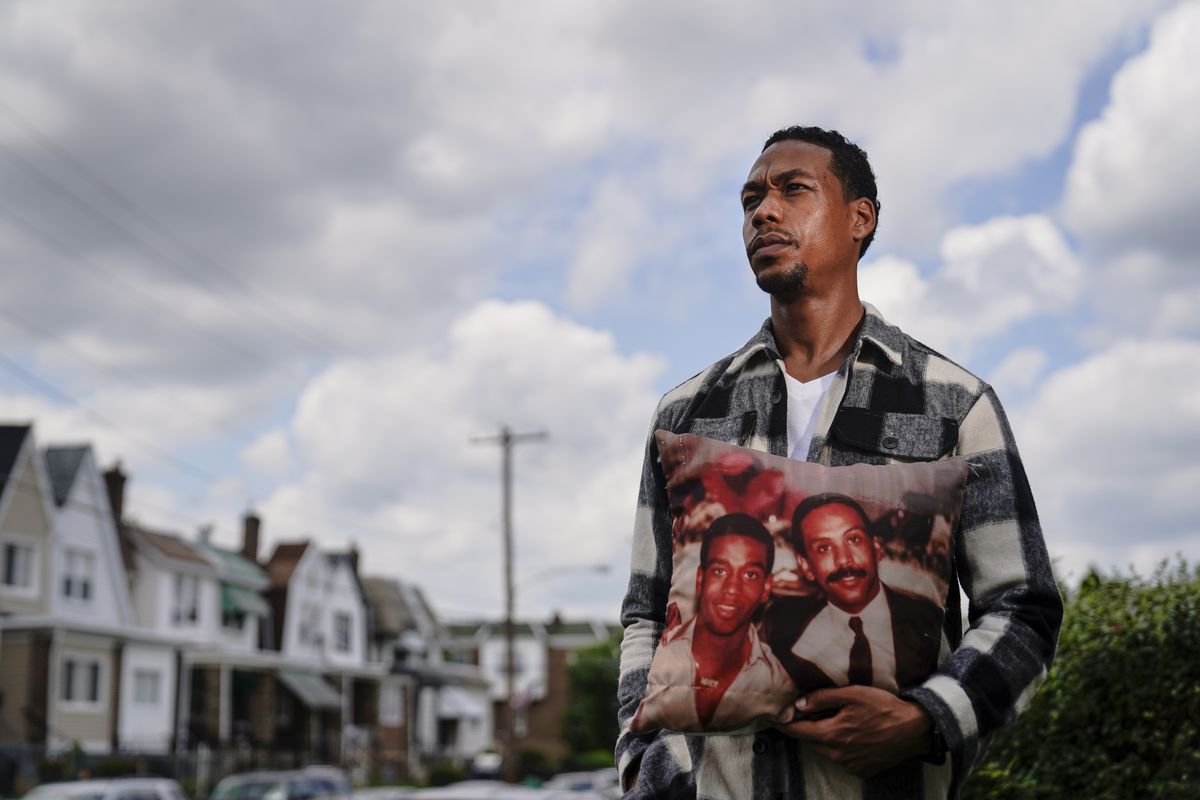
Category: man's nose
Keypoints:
(766, 211)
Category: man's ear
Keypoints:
(768, 586)
(878, 549)
(699, 589)
(802, 562)
(864, 218)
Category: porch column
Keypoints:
(224, 715)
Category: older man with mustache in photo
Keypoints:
(858, 631)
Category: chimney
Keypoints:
(354, 557)
(251, 524)
(114, 481)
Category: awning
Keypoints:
(237, 598)
(311, 689)
(455, 702)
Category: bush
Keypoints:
(444, 773)
(533, 762)
(1119, 716)
(117, 767)
(586, 762)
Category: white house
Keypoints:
(324, 616)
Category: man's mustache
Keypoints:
(846, 572)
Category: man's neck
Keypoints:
(719, 656)
(815, 334)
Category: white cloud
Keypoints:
(269, 454)
(1135, 179)
(992, 277)
(389, 459)
(1110, 447)
(1019, 370)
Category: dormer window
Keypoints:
(187, 600)
(78, 577)
(341, 632)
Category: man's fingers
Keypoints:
(822, 700)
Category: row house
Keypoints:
(75, 667)
(542, 654)
(449, 706)
(118, 637)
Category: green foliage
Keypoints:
(117, 767)
(533, 762)
(445, 773)
(1119, 716)
(589, 761)
(590, 720)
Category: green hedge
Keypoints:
(1118, 716)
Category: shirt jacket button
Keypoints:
(776, 397)
(760, 746)
(891, 442)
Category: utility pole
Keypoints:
(507, 440)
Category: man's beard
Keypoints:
(785, 285)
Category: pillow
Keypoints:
(790, 576)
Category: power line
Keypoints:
(123, 377)
(54, 244)
(50, 390)
(291, 326)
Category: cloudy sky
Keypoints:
(296, 255)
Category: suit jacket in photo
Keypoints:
(916, 628)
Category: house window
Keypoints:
(80, 681)
(78, 575)
(18, 565)
(341, 632)
(310, 624)
(147, 686)
(187, 599)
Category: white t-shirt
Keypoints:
(804, 399)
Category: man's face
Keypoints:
(798, 228)
(732, 585)
(840, 556)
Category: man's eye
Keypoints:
(749, 201)
(718, 571)
(795, 187)
(752, 575)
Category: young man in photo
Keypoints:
(735, 678)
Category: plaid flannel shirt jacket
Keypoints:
(892, 400)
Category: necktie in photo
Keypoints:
(860, 656)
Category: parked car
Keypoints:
(109, 789)
(601, 781)
(310, 783)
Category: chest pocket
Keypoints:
(736, 429)
(906, 437)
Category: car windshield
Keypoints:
(251, 790)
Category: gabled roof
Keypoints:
(283, 562)
(170, 546)
(62, 464)
(389, 611)
(12, 438)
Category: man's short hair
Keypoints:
(849, 163)
(738, 525)
(812, 503)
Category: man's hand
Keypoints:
(868, 731)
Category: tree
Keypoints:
(1119, 716)
(590, 720)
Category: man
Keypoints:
(810, 212)
(718, 652)
(859, 631)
